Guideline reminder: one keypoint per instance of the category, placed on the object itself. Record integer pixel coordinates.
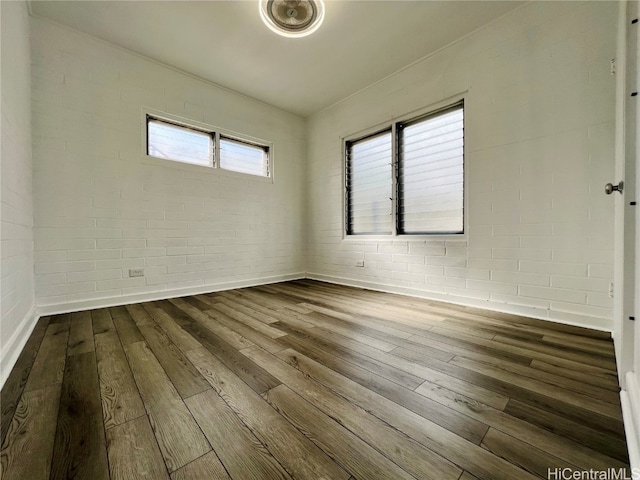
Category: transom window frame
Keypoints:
(217, 135)
(393, 124)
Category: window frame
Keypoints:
(393, 124)
(216, 135)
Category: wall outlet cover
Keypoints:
(136, 272)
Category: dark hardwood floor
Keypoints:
(306, 380)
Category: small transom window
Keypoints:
(180, 142)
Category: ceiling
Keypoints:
(225, 42)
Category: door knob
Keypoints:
(609, 188)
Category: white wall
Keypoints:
(103, 208)
(539, 109)
(16, 225)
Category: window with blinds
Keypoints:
(244, 157)
(369, 185)
(197, 145)
(431, 174)
(409, 178)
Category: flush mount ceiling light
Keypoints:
(292, 18)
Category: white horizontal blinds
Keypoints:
(173, 142)
(431, 173)
(244, 157)
(369, 185)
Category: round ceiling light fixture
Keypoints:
(292, 18)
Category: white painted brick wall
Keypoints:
(102, 208)
(539, 108)
(16, 218)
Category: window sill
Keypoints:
(405, 238)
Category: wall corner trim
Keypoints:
(15, 345)
(630, 400)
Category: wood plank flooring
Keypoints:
(307, 380)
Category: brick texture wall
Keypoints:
(16, 217)
(102, 207)
(539, 128)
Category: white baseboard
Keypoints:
(58, 308)
(16, 343)
(457, 300)
(630, 400)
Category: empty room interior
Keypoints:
(306, 239)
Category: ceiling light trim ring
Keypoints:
(292, 18)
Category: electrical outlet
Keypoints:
(611, 290)
(136, 272)
(360, 263)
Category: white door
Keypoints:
(626, 333)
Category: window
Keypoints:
(184, 143)
(409, 178)
(369, 185)
(431, 175)
(244, 157)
